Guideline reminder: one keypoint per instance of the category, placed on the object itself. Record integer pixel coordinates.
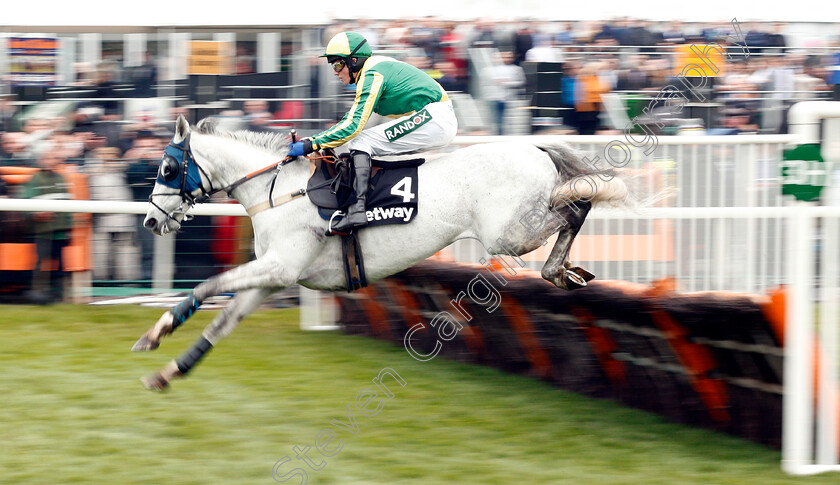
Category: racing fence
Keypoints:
(708, 358)
(712, 296)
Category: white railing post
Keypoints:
(797, 407)
(317, 310)
(163, 262)
(828, 386)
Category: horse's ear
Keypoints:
(207, 125)
(182, 128)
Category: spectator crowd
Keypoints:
(633, 59)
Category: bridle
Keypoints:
(180, 174)
(176, 171)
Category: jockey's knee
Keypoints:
(357, 145)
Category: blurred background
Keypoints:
(106, 98)
(88, 99)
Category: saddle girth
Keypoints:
(354, 264)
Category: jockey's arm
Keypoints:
(368, 91)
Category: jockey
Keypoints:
(423, 115)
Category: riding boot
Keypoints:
(356, 213)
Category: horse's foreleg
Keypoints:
(241, 306)
(254, 274)
(167, 324)
(556, 269)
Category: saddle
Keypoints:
(391, 199)
(392, 192)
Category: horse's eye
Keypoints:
(168, 168)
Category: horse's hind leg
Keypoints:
(556, 269)
(241, 306)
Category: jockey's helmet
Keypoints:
(347, 45)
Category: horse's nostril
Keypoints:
(151, 222)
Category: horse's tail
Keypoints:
(582, 178)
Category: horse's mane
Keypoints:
(277, 143)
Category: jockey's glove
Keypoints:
(300, 148)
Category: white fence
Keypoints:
(701, 249)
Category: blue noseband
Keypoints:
(179, 170)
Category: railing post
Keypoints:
(828, 387)
(317, 310)
(163, 264)
(797, 410)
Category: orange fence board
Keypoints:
(658, 246)
(16, 178)
(18, 170)
(622, 247)
(17, 256)
(77, 256)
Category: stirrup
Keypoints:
(329, 231)
(348, 226)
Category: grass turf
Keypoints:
(73, 411)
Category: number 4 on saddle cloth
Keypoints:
(391, 199)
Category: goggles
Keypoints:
(338, 65)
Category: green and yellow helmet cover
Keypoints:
(347, 44)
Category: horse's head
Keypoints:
(178, 186)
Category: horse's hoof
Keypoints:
(586, 275)
(155, 382)
(145, 343)
(151, 339)
(572, 280)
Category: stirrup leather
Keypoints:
(356, 213)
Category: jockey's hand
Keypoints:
(300, 148)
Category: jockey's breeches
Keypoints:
(430, 128)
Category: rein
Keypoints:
(257, 173)
(189, 200)
(275, 202)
